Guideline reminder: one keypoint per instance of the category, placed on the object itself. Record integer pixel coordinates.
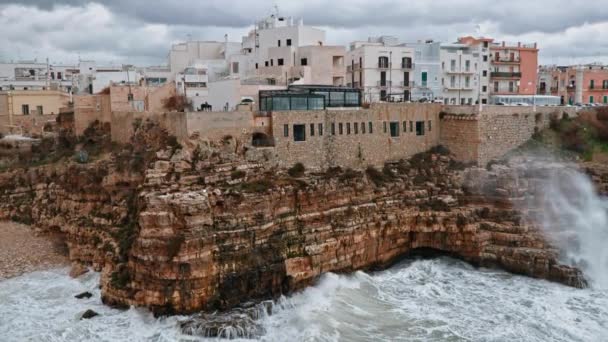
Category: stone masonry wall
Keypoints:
(355, 146)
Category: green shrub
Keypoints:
(377, 177)
(256, 186)
(349, 174)
(297, 170)
(238, 174)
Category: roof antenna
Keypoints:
(276, 9)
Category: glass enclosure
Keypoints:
(307, 97)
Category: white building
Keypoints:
(465, 73)
(465, 69)
(381, 68)
(193, 82)
(426, 77)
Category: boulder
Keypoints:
(89, 314)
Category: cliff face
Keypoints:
(210, 227)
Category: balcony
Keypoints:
(406, 84)
(458, 87)
(506, 60)
(596, 88)
(461, 72)
(383, 65)
(505, 75)
(385, 84)
(407, 65)
(506, 91)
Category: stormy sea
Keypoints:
(438, 299)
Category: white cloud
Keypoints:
(141, 31)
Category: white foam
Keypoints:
(428, 300)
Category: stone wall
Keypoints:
(475, 136)
(217, 125)
(90, 108)
(355, 145)
(122, 124)
(26, 124)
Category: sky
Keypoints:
(142, 31)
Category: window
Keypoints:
(485, 44)
(288, 42)
(39, 110)
(467, 81)
(484, 89)
(430, 125)
(419, 128)
(25, 109)
(485, 73)
(605, 99)
(442, 65)
(382, 62)
(52, 75)
(356, 127)
(404, 126)
(279, 43)
(266, 63)
(272, 62)
(453, 65)
(452, 81)
(591, 100)
(411, 126)
(371, 128)
(299, 133)
(340, 129)
(495, 87)
(363, 128)
(320, 129)
(406, 62)
(592, 84)
(470, 102)
(485, 58)
(467, 65)
(304, 61)
(285, 131)
(312, 130)
(256, 65)
(406, 79)
(333, 128)
(394, 129)
(348, 128)
(385, 129)
(424, 78)
(462, 101)
(235, 67)
(280, 61)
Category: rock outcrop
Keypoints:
(203, 228)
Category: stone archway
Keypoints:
(261, 140)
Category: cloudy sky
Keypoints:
(141, 31)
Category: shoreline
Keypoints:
(23, 251)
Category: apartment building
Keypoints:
(465, 76)
(514, 68)
(426, 76)
(382, 68)
(283, 51)
(582, 84)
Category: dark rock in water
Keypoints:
(84, 295)
(241, 322)
(89, 314)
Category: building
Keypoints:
(426, 77)
(216, 56)
(514, 68)
(309, 97)
(26, 111)
(381, 68)
(463, 67)
(283, 51)
(581, 84)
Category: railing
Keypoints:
(405, 84)
(407, 65)
(513, 90)
(384, 84)
(506, 60)
(383, 65)
(500, 74)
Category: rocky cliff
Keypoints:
(209, 226)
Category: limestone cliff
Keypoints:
(210, 226)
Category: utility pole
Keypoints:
(390, 73)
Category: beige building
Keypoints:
(26, 111)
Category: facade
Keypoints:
(426, 77)
(26, 111)
(463, 67)
(381, 68)
(514, 68)
(309, 97)
(583, 84)
(193, 83)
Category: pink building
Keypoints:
(575, 84)
(514, 68)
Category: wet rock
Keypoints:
(89, 314)
(78, 270)
(84, 295)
